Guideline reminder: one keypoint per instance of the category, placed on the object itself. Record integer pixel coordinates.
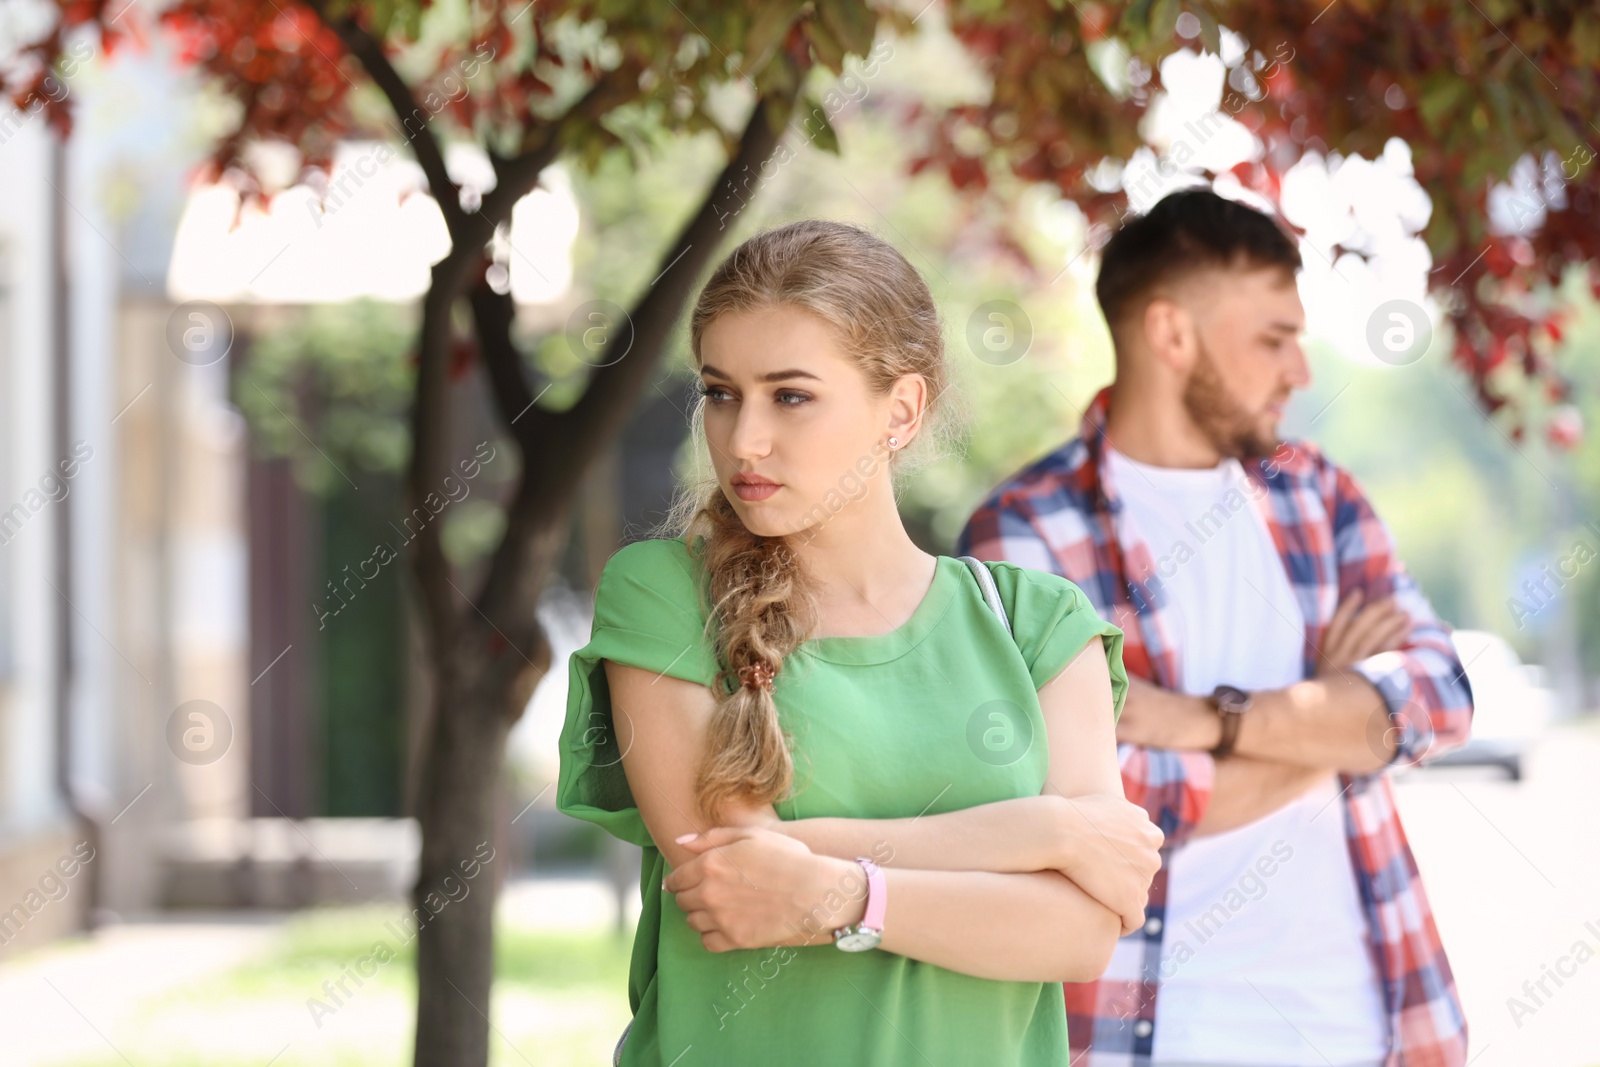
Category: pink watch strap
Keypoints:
(877, 894)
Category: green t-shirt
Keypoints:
(940, 714)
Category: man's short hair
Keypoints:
(1187, 231)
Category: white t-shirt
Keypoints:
(1265, 957)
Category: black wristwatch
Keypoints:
(1231, 703)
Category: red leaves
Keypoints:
(1094, 18)
(966, 172)
(1315, 77)
(1338, 81)
(1033, 167)
(1259, 178)
(982, 40)
(279, 60)
(1497, 260)
(1280, 83)
(1507, 353)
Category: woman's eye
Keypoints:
(785, 398)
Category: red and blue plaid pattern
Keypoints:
(1062, 514)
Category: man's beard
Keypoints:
(1226, 423)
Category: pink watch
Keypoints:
(859, 937)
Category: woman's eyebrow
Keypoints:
(772, 376)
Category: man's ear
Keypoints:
(1169, 333)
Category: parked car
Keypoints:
(1512, 705)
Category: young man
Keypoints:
(1287, 660)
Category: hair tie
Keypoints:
(757, 676)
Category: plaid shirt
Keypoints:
(1062, 514)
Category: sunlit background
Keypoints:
(216, 509)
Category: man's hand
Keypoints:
(1159, 718)
(1111, 850)
(750, 887)
(1357, 631)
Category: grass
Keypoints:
(559, 999)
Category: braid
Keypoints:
(763, 608)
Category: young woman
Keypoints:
(877, 827)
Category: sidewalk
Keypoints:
(1510, 869)
(61, 1001)
(75, 1000)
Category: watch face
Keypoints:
(858, 939)
(1230, 698)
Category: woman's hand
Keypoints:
(1109, 847)
(751, 887)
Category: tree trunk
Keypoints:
(455, 943)
(488, 652)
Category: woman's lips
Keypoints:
(755, 492)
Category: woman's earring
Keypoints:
(894, 442)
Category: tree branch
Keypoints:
(369, 52)
(429, 433)
(560, 448)
(469, 234)
(493, 313)
(617, 383)
(515, 177)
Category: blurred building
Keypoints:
(161, 672)
(120, 559)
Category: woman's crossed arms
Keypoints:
(1026, 889)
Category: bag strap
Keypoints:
(990, 592)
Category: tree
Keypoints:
(531, 83)
(1480, 92)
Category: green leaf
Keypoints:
(1164, 19)
(829, 52)
(851, 23)
(776, 79)
(779, 109)
(697, 121)
(767, 31)
(1441, 234)
(1584, 37)
(381, 14)
(1210, 33)
(1500, 100)
(818, 130)
(1439, 99)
